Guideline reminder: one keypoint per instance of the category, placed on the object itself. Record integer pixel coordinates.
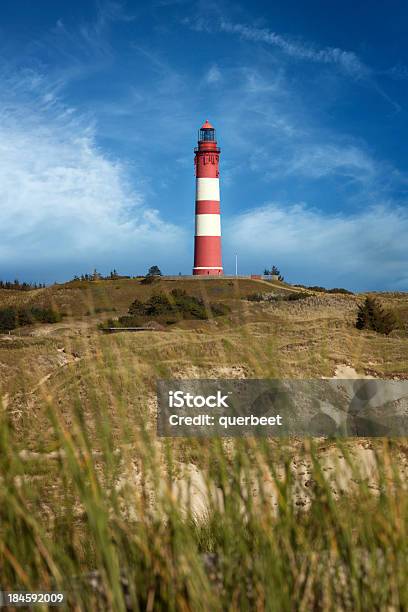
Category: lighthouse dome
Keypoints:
(206, 132)
(207, 125)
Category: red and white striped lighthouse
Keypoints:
(207, 240)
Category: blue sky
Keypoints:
(100, 103)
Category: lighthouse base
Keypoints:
(208, 271)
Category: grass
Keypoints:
(246, 554)
(94, 504)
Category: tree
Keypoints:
(372, 316)
(154, 271)
(275, 271)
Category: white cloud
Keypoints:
(318, 160)
(346, 60)
(366, 250)
(213, 75)
(62, 201)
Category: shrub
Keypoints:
(45, 315)
(158, 304)
(148, 280)
(24, 317)
(178, 303)
(292, 297)
(275, 297)
(324, 290)
(372, 316)
(137, 308)
(8, 319)
(188, 304)
(340, 290)
(254, 297)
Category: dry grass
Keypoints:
(87, 486)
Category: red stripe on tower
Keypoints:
(207, 240)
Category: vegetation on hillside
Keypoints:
(372, 316)
(324, 290)
(168, 308)
(17, 286)
(153, 274)
(97, 276)
(277, 297)
(11, 317)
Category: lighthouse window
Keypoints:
(207, 135)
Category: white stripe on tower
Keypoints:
(207, 189)
(208, 225)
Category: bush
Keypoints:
(148, 280)
(175, 305)
(324, 290)
(340, 290)
(271, 297)
(137, 308)
(188, 304)
(10, 318)
(24, 317)
(292, 297)
(158, 304)
(45, 315)
(254, 297)
(372, 316)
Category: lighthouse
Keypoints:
(207, 239)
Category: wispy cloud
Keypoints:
(63, 202)
(398, 72)
(347, 61)
(316, 160)
(364, 251)
(213, 75)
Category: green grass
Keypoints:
(246, 553)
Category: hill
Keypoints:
(91, 487)
(303, 338)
